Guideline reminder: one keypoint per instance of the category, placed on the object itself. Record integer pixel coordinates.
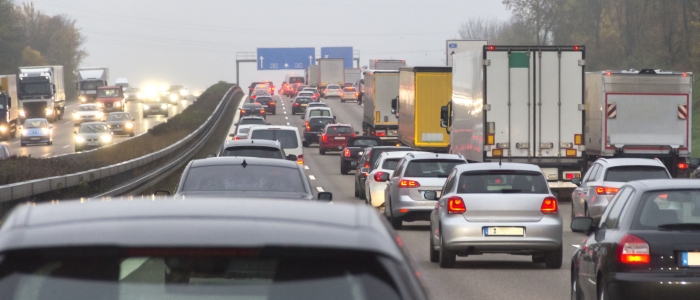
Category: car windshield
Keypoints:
(634, 173)
(390, 164)
(90, 85)
(252, 121)
(250, 151)
(288, 138)
(301, 88)
(36, 124)
(243, 129)
(198, 273)
(364, 142)
(320, 122)
(502, 182)
(118, 117)
(247, 177)
(431, 168)
(263, 99)
(251, 105)
(93, 128)
(303, 100)
(667, 207)
(39, 88)
(339, 129)
(293, 80)
(87, 107)
(319, 113)
(108, 93)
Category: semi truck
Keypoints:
(41, 93)
(330, 71)
(643, 114)
(381, 87)
(122, 82)
(422, 92)
(311, 74)
(89, 79)
(9, 107)
(352, 76)
(520, 104)
(386, 64)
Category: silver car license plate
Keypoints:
(501, 231)
(690, 259)
(93, 143)
(339, 137)
(34, 139)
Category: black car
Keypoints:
(121, 123)
(198, 248)
(252, 86)
(354, 150)
(366, 165)
(252, 109)
(268, 104)
(646, 246)
(313, 126)
(299, 104)
(255, 148)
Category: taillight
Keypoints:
(357, 94)
(296, 104)
(324, 137)
(682, 166)
(409, 184)
(549, 206)
(262, 111)
(235, 138)
(346, 153)
(366, 165)
(242, 111)
(300, 159)
(380, 133)
(455, 205)
(602, 190)
(272, 103)
(572, 175)
(378, 176)
(633, 250)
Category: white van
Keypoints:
(288, 136)
(317, 112)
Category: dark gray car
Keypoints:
(202, 249)
(120, 123)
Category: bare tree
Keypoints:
(540, 15)
(480, 29)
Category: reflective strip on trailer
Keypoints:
(612, 111)
(682, 111)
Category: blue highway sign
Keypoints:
(285, 58)
(338, 52)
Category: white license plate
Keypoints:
(93, 143)
(361, 153)
(264, 105)
(34, 139)
(690, 259)
(304, 105)
(508, 231)
(339, 137)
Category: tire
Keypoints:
(321, 151)
(343, 169)
(538, 259)
(167, 114)
(396, 223)
(50, 143)
(77, 149)
(145, 116)
(305, 144)
(576, 293)
(434, 254)
(447, 259)
(602, 289)
(22, 144)
(362, 193)
(132, 134)
(357, 191)
(553, 260)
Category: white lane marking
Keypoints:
(284, 108)
(306, 167)
(130, 265)
(286, 118)
(16, 142)
(312, 177)
(285, 112)
(66, 146)
(47, 154)
(287, 123)
(320, 189)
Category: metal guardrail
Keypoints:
(22, 190)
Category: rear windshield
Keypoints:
(261, 152)
(252, 121)
(667, 208)
(306, 94)
(198, 274)
(302, 100)
(287, 138)
(502, 182)
(293, 80)
(320, 122)
(87, 107)
(319, 113)
(377, 152)
(364, 142)
(633, 173)
(263, 99)
(238, 178)
(251, 105)
(339, 129)
(390, 164)
(431, 168)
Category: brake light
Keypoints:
(409, 184)
(242, 111)
(366, 165)
(549, 206)
(324, 137)
(378, 176)
(633, 250)
(300, 159)
(602, 190)
(455, 205)
(380, 133)
(354, 135)
(682, 166)
(254, 96)
(296, 104)
(235, 138)
(346, 153)
(357, 94)
(272, 103)
(262, 111)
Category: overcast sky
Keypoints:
(194, 42)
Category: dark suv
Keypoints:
(366, 165)
(313, 126)
(300, 104)
(268, 104)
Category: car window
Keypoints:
(87, 107)
(263, 99)
(612, 212)
(251, 105)
(240, 178)
(390, 163)
(430, 168)
(287, 138)
(303, 100)
(598, 173)
(35, 124)
(399, 168)
(252, 121)
(118, 117)
(320, 122)
(518, 182)
(634, 173)
(449, 183)
(667, 207)
(107, 93)
(590, 175)
(93, 128)
(243, 130)
(320, 113)
(339, 129)
(249, 151)
(364, 142)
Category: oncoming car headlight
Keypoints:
(83, 99)
(117, 104)
(173, 97)
(106, 138)
(129, 125)
(3, 128)
(24, 132)
(163, 106)
(79, 139)
(45, 130)
(146, 107)
(49, 111)
(76, 116)
(22, 113)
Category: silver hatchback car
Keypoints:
(496, 208)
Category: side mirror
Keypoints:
(235, 124)
(583, 225)
(364, 170)
(161, 193)
(357, 132)
(384, 177)
(393, 103)
(292, 157)
(302, 117)
(269, 123)
(133, 120)
(325, 196)
(576, 181)
(211, 155)
(429, 195)
(695, 162)
(444, 116)
(231, 135)
(334, 117)
(75, 132)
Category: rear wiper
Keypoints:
(510, 191)
(681, 226)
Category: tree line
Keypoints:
(28, 37)
(618, 34)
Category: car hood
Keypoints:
(246, 194)
(87, 112)
(121, 122)
(92, 135)
(33, 131)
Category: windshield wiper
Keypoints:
(681, 226)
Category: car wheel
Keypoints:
(434, 254)
(396, 223)
(585, 211)
(132, 134)
(362, 193)
(357, 191)
(538, 258)
(145, 116)
(22, 144)
(305, 144)
(447, 259)
(553, 259)
(576, 293)
(321, 151)
(50, 143)
(343, 169)
(167, 114)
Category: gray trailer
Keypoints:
(644, 114)
(352, 76)
(41, 92)
(311, 74)
(386, 64)
(378, 120)
(330, 71)
(89, 79)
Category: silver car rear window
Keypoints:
(634, 173)
(249, 178)
(502, 182)
(431, 168)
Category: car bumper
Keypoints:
(332, 95)
(311, 137)
(332, 146)
(122, 130)
(349, 161)
(463, 236)
(376, 192)
(653, 286)
(112, 108)
(349, 98)
(91, 146)
(412, 210)
(35, 139)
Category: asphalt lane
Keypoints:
(491, 276)
(63, 130)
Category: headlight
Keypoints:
(3, 128)
(163, 106)
(129, 125)
(173, 97)
(100, 104)
(45, 130)
(100, 115)
(76, 116)
(24, 132)
(79, 139)
(146, 107)
(21, 113)
(139, 95)
(49, 111)
(82, 99)
(106, 138)
(126, 96)
(183, 92)
(117, 104)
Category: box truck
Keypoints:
(352, 76)
(381, 87)
(386, 64)
(330, 71)
(89, 79)
(311, 74)
(645, 114)
(520, 104)
(9, 107)
(122, 82)
(422, 92)
(41, 93)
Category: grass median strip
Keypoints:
(160, 136)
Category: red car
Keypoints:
(335, 137)
(110, 98)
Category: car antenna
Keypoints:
(499, 161)
(244, 164)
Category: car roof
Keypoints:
(498, 166)
(109, 87)
(665, 184)
(181, 222)
(321, 117)
(431, 156)
(337, 124)
(252, 142)
(235, 160)
(615, 162)
(320, 108)
(252, 117)
(274, 127)
(398, 154)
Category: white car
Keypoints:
(333, 90)
(288, 136)
(384, 167)
(87, 113)
(349, 94)
(241, 132)
(317, 112)
(92, 135)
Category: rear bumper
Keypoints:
(412, 210)
(311, 137)
(35, 139)
(328, 146)
(653, 286)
